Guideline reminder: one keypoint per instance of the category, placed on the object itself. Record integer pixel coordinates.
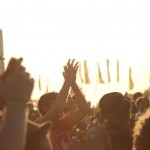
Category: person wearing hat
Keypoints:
(115, 109)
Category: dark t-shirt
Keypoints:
(122, 142)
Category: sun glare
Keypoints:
(47, 33)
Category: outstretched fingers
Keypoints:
(76, 66)
(72, 62)
(68, 63)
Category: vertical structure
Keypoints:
(108, 73)
(100, 79)
(2, 68)
(131, 84)
(86, 73)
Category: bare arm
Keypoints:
(70, 72)
(83, 110)
(16, 86)
(13, 128)
(81, 101)
(83, 107)
(53, 114)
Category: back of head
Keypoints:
(142, 104)
(46, 100)
(113, 107)
(136, 95)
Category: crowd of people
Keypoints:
(64, 121)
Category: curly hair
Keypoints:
(141, 130)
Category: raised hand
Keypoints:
(16, 87)
(70, 70)
(16, 84)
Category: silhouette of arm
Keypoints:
(16, 87)
(83, 107)
(70, 70)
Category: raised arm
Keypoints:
(16, 87)
(70, 70)
(83, 107)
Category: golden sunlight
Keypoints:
(46, 39)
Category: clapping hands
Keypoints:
(15, 83)
(70, 70)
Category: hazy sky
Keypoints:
(48, 32)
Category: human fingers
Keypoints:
(72, 62)
(68, 63)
